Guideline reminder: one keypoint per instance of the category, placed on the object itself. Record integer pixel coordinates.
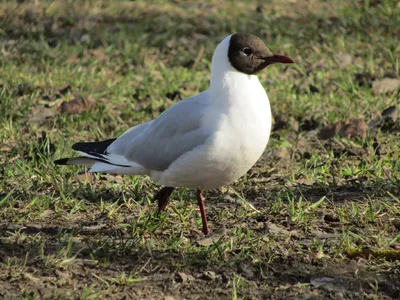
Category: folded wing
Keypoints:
(175, 132)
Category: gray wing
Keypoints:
(156, 144)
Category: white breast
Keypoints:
(240, 122)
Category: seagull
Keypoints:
(203, 142)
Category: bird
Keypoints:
(203, 142)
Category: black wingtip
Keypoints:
(62, 161)
(78, 146)
(93, 147)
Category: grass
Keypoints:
(320, 204)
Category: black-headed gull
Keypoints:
(204, 142)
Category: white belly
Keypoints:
(229, 153)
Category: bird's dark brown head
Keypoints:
(248, 54)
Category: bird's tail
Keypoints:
(95, 156)
(93, 152)
(76, 161)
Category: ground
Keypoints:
(317, 217)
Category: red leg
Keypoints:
(162, 197)
(200, 200)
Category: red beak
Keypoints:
(278, 59)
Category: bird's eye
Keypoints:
(247, 51)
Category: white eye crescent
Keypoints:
(247, 51)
